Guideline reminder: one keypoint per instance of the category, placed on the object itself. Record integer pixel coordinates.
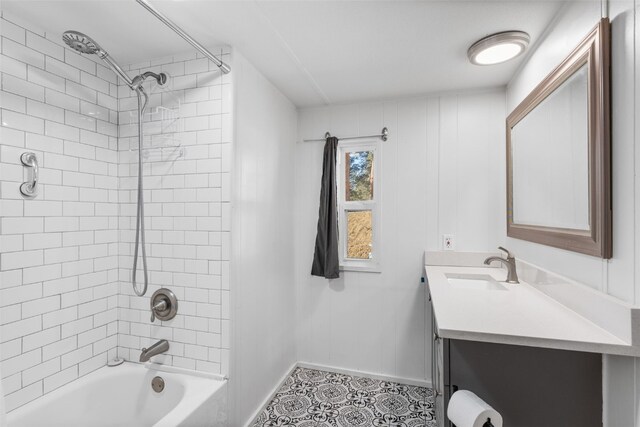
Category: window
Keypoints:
(358, 206)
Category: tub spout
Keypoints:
(158, 348)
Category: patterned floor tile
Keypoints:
(313, 398)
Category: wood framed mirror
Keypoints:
(559, 154)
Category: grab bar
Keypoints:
(30, 188)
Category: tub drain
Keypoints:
(157, 384)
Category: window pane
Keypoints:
(359, 234)
(359, 176)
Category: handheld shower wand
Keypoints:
(85, 44)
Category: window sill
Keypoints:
(361, 268)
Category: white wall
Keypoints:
(263, 291)
(187, 169)
(58, 261)
(617, 276)
(438, 176)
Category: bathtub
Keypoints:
(123, 396)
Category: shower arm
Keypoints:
(135, 83)
(140, 78)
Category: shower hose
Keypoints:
(140, 238)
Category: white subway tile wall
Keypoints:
(59, 251)
(187, 161)
(66, 302)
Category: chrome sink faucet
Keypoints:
(158, 348)
(510, 263)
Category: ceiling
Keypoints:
(315, 52)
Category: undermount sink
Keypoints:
(474, 281)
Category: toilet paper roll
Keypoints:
(468, 410)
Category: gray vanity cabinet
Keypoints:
(439, 378)
(529, 386)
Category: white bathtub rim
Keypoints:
(177, 414)
(174, 369)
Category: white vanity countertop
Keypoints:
(519, 315)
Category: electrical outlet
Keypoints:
(448, 242)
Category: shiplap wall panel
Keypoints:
(438, 167)
(263, 272)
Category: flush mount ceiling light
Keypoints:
(497, 48)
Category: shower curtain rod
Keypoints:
(383, 136)
(223, 67)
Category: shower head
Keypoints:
(85, 44)
(82, 43)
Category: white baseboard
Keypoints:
(408, 381)
(266, 401)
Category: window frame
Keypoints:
(374, 263)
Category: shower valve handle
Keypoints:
(163, 304)
(159, 306)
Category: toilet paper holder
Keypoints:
(471, 410)
(488, 422)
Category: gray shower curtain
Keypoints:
(325, 258)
